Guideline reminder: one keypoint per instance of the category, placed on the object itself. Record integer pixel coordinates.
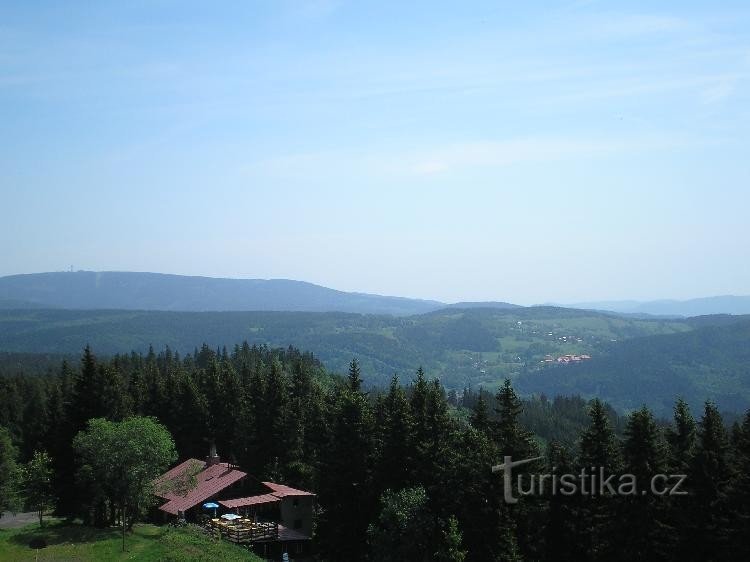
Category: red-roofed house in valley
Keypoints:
(274, 522)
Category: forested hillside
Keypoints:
(402, 474)
(464, 347)
(710, 362)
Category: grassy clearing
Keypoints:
(146, 543)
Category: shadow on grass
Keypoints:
(61, 533)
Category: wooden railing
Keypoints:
(245, 532)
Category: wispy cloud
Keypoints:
(458, 157)
(494, 154)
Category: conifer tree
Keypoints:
(396, 463)
(86, 399)
(418, 399)
(231, 397)
(681, 438)
(355, 376)
(191, 435)
(647, 536)
(511, 438)
(273, 427)
(480, 417)
(137, 391)
(114, 399)
(507, 549)
(9, 473)
(298, 410)
(418, 408)
(474, 494)
(740, 494)
(35, 419)
(709, 480)
(563, 529)
(253, 413)
(598, 454)
(519, 521)
(437, 431)
(345, 487)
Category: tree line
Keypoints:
(401, 472)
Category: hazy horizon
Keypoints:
(537, 152)
(419, 297)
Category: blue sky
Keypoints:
(520, 151)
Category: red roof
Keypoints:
(281, 491)
(251, 500)
(210, 481)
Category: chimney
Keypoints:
(213, 457)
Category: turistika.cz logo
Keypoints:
(589, 482)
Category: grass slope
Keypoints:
(146, 543)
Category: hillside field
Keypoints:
(146, 543)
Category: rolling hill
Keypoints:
(635, 358)
(464, 347)
(88, 290)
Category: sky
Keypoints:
(518, 151)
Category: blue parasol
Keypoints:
(211, 505)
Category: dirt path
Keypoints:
(10, 521)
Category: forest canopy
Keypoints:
(372, 455)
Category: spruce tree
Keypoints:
(709, 483)
(86, 397)
(598, 453)
(10, 498)
(35, 419)
(514, 440)
(471, 492)
(647, 535)
(511, 438)
(480, 417)
(740, 494)
(563, 530)
(396, 464)
(421, 439)
(681, 438)
(345, 486)
(355, 376)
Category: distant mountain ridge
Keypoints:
(484, 304)
(726, 304)
(115, 290)
(89, 290)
